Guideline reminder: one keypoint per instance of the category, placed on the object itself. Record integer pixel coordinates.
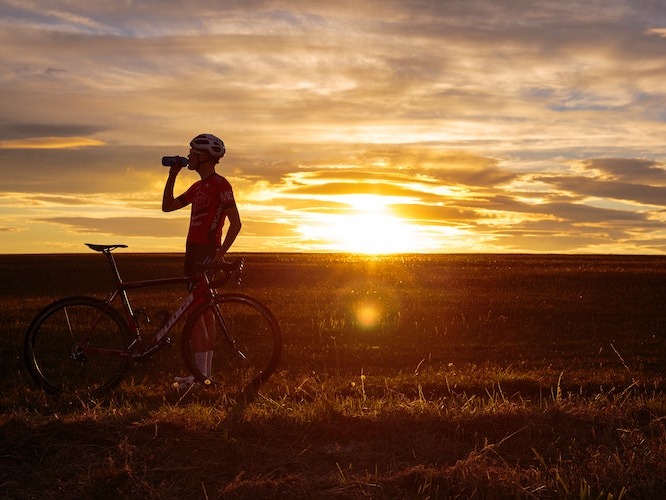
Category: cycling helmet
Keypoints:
(208, 143)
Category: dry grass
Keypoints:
(476, 380)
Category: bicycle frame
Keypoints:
(197, 296)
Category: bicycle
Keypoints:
(84, 345)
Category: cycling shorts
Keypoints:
(197, 253)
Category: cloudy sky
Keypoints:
(374, 126)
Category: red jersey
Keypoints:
(209, 198)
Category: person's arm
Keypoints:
(169, 203)
(234, 228)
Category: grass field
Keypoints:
(485, 376)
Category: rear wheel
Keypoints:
(77, 345)
(247, 342)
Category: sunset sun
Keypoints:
(369, 227)
(372, 233)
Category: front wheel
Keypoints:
(234, 341)
(77, 345)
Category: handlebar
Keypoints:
(227, 268)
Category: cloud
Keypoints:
(60, 200)
(18, 130)
(435, 214)
(61, 18)
(580, 213)
(8, 226)
(20, 135)
(125, 226)
(103, 170)
(333, 189)
(50, 143)
(584, 186)
(628, 169)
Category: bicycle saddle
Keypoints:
(103, 248)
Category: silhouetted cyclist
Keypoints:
(212, 202)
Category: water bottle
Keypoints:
(175, 161)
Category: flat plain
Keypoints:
(411, 376)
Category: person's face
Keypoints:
(196, 159)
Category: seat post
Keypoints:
(114, 266)
(119, 281)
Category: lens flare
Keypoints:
(367, 316)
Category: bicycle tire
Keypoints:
(57, 342)
(248, 343)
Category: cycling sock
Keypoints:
(209, 363)
(201, 363)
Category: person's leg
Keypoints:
(211, 336)
(204, 332)
(203, 340)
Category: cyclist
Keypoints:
(212, 201)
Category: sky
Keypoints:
(379, 126)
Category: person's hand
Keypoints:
(219, 255)
(173, 171)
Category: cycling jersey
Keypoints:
(210, 198)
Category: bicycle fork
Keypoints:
(227, 335)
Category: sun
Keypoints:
(371, 233)
(369, 228)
